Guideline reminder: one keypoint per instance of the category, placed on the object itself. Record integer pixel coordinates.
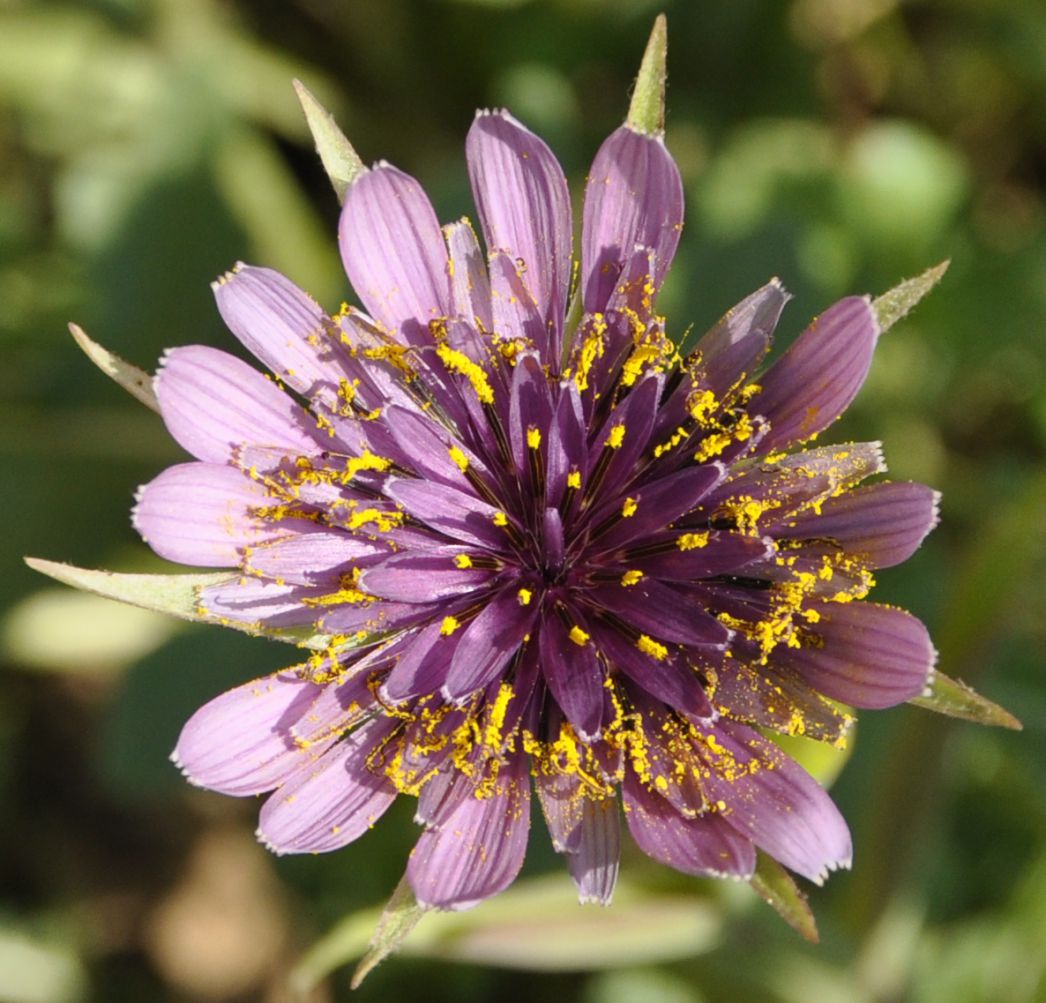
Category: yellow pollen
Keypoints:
(616, 437)
(692, 541)
(462, 561)
(459, 362)
(631, 577)
(578, 636)
(459, 458)
(500, 519)
(524, 596)
(533, 437)
(367, 461)
(384, 521)
(629, 508)
(450, 624)
(574, 480)
(650, 647)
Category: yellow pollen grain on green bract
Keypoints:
(578, 636)
(629, 508)
(524, 596)
(653, 648)
(459, 458)
(459, 362)
(692, 541)
(574, 480)
(631, 577)
(449, 625)
(533, 437)
(616, 437)
(462, 561)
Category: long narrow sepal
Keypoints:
(954, 698)
(774, 885)
(135, 381)
(341, 162)
(897, 302)
(646, 113)
(176, 595)
(400, 916)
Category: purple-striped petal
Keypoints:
(333, 801)
(704, 845)
(626, 432)
(863, 654)
(240, 742)
(735, 346)
(562, 802)
(255, 601)
(882, 524)
(201, 514)
(774, 802)
(469, 283)
(524, 208)
(458, 515)
(594, 864)
(311, 557)
(659, 503)
(211, 402)
(394, 254)
(670, 679)
(283, 327)
(488, 644)
(655, 608)
(422, 664)
(421, 578)
(516, 313)
(701, 555)
(573, 673)
(815, 380)
(479, 849)
(634, 196)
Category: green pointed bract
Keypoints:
(341, 162)
(775, 886)
(176, 595)
(135, 381)
(400, 916)
(955, 699)
(897, 302)
(646, 113)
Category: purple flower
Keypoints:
(544, 550)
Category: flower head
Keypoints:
(543, 544)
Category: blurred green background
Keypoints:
(146, 145)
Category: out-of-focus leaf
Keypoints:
(35, 972)
(341, 162)
(177, 595)
(537, 925)
(135, 381)
(775, 886)
(646, 113)
(284, 229)
(400, 916)
(95, 635)
(897, 302)
(955, 699)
